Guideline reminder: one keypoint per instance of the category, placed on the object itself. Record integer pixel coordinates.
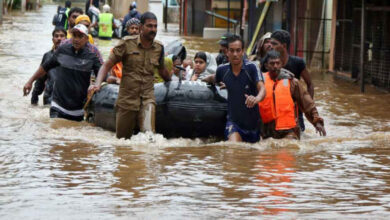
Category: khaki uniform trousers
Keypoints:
(126, 120)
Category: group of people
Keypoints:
(259, 105)
(103, 22)
(270, 104)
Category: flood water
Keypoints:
(58, 169)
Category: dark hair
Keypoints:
(282, 36)
(174, 58)
(201, 55)
(235, 38)
(58, 29)
(147, 15)
(272, 54)
(75, 9)
(68, 4)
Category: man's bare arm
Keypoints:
(307, 78)
(164, 73)
(251, 101)
(209, 79)
(104, 69)
(28, 86)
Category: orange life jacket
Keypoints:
(278, 104)
(117, 70)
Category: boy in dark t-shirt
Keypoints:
(245, 85)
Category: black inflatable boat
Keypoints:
(184, 109)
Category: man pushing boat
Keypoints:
(140, 55)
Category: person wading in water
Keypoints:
(74, 61)
(46, 82)
(140, 55)
(245, 85)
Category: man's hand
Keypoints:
(93, 88)
(27, 88)
(208, 79)
(251, 101)
(320, 129)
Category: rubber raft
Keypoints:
(183, 109)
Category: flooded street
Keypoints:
(58, 169)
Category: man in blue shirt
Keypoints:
(245, 85)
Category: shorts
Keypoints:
(251, 136)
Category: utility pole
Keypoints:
(23, 6)
(228, 16)
(166, 15)
(362, 39)
(1, 11)
(242, 20)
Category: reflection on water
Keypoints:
(68, 170)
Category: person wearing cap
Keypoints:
(132, 26)
(46, 82)
(74, 61)
(115, 77)
(280, 41)
(140, 55)
(84, 19)
(106, 23)
(223, 47)
(133, 13)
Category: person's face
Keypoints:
(79, 40)
(149, 29)
(177, 62)
(235, 52)
(267, 46)
(86, 23)
(133, 29)
(72, 19)
(58, 37)
(274, 66)
(277, 45)
(200, 65)
(223, 49)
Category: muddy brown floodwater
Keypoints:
(57, 169)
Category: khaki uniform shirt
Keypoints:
(137, 84)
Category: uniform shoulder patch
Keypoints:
(158, 42)
(133, 37)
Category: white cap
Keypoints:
(106, 8)
(81, 28)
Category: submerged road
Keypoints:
(58, 169)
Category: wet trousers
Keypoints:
(126, 120)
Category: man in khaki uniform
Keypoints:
(140, 55)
